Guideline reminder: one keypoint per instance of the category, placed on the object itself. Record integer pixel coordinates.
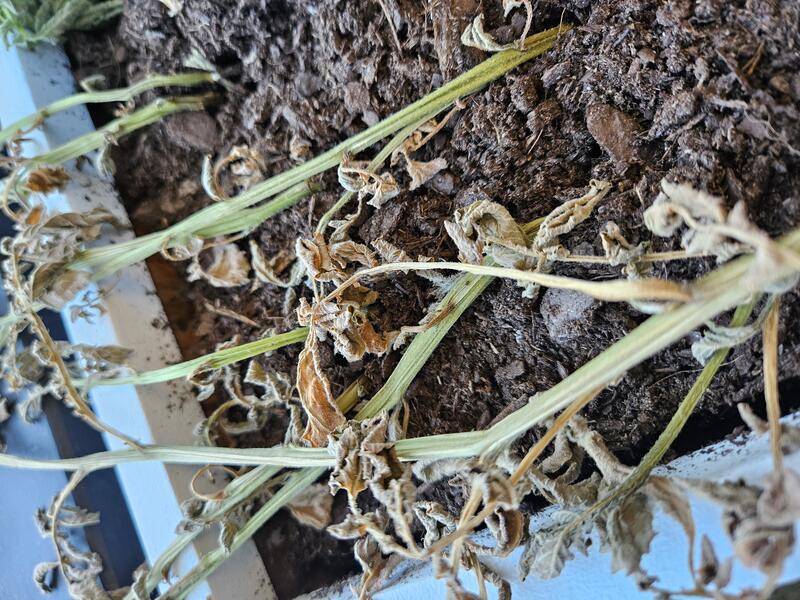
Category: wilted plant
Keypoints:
(29, 22)
(370, 450)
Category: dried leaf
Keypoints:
(353, 334)
(268, 270)
(617, 249)
(313, 506)
(55, 293)
(423, 171)
(365, 456)
(246, 167)
(177, 251)
(475, 36)
(779, 504)
(229, 267)
(315, 394)
(486, 227)
(719, 337)
(629, 531)
(760, 546)
(548, 550)
(45, 576)
(709, 564)
(508, 527)
(664, 217)
(711, 230)
(568, 215)
(46, 179)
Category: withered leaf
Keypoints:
(178, 251)
(487, 227)
(54, 286)
(46, 179)
(268, 270)
(779, 503)
(709, 564)
(45, 576)
(351, 329)
(508, 527)
(229, 267)
(548, 550)
(88, 223)
(565, 217)
(422, 172)
(313, 506)
(364, 456)
(476, 36)
(315, 394)
(629, 531)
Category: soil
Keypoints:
(704, 92)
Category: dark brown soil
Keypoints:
(638, 91)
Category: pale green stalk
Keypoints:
(714, 293)
(617, 290)
(685, 409)
(302, 479)
(278, 456)
(243, 220)
(214, 360)
(95, 97)
(210, 561)
(465, 290)
(152, 113)
(127, 253)
(721, 290)
(250, 218)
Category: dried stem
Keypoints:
(770, 341)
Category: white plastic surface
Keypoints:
(160, 414)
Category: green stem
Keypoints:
(295, 484)
(116, 95)
(153, 112)
(214, 360)
(685, 409)
(473, 80)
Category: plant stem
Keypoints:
(685, 409)
(614, 291)
(116, 95)
(295, 484)
(140, 248)
(214, 360)
(463, 293)
(153, 112)
(771, 395)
